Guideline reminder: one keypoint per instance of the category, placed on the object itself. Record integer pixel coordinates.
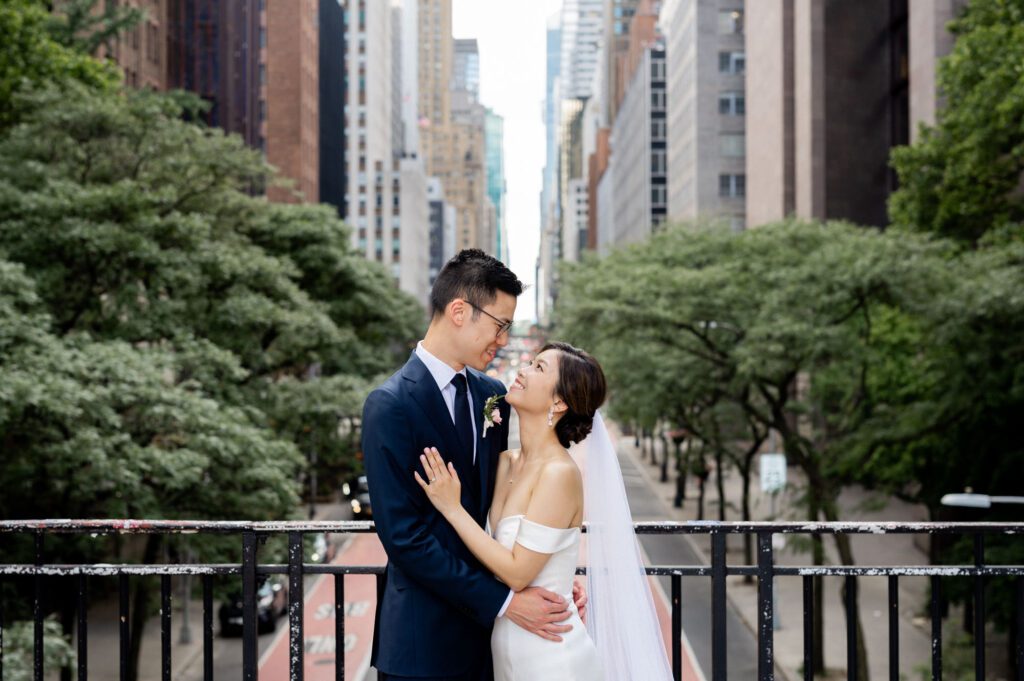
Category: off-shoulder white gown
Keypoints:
(522, 656)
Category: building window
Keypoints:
(730, 22)
(658, 161)
(658, 100)
(659, 196)
(263, 74)
(657, 70)
(658, 130)
(732, 104)
(733, 144)
(732, 185)
(732, 62)
(263, 38)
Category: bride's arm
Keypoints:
(553, 503)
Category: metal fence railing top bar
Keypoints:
(36, 574)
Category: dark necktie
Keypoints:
(464, 428)
(463, 424)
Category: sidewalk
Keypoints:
(855, 504)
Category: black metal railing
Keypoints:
(765, 571)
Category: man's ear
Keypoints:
(456, 311)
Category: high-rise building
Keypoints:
(332, 84)
(373, 194)
(217, 50)
(293, 98)
(829, 97)
(639, 154)
(582, 24)
(549, 190)
(434, 91)
(442, 228)
(494, 150)
(466, 67)
(930, 40)
(142, 50)
(706, 63)
(410, 258)
(618, 15)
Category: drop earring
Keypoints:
(551, 416)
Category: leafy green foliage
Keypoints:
(963, 177)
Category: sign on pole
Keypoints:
(773, 472)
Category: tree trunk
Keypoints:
(664, 458)
(681, 466)
(700, 498)
(748, 537)
(818, 614)
(720, 483)
(140, 606)
(846, 558)
(68, 607)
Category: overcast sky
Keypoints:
(512, 39)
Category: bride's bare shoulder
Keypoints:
(561, 471)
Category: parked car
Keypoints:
(358, 493)
(271, 603)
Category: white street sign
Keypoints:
(773, 472)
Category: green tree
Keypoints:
(708, 326)
(962, 178)
(31, 56)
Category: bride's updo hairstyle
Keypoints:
(582, 387)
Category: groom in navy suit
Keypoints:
(439, 603)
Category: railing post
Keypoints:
(677, 627)
(894, 628)
(936, 628)
(295, 610)
(165, 627)
(249, 640)
(851, 628)
(718, 632)
(979, 608)
(37, 613)
(808, 627)
(125, 627)
(339, 627)
(1020, 629)
(207, 627)
(1, 628)
(765, 611)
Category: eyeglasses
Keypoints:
(503, 327)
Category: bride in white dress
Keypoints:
(532, 536)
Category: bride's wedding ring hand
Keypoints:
(442, 484)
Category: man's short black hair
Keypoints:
(473, 276)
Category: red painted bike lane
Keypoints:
(360, 605)
(318, 622)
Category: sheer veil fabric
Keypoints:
(621, 617)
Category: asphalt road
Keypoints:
(741, 645)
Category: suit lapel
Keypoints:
(484, 450)
(427, 395)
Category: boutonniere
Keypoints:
(492, 415)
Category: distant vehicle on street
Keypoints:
(271, 603)
(324, 549)
(358, 493)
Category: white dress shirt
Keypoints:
(443, 375)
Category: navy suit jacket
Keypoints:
(438, 603)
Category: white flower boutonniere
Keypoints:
(492, 415)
